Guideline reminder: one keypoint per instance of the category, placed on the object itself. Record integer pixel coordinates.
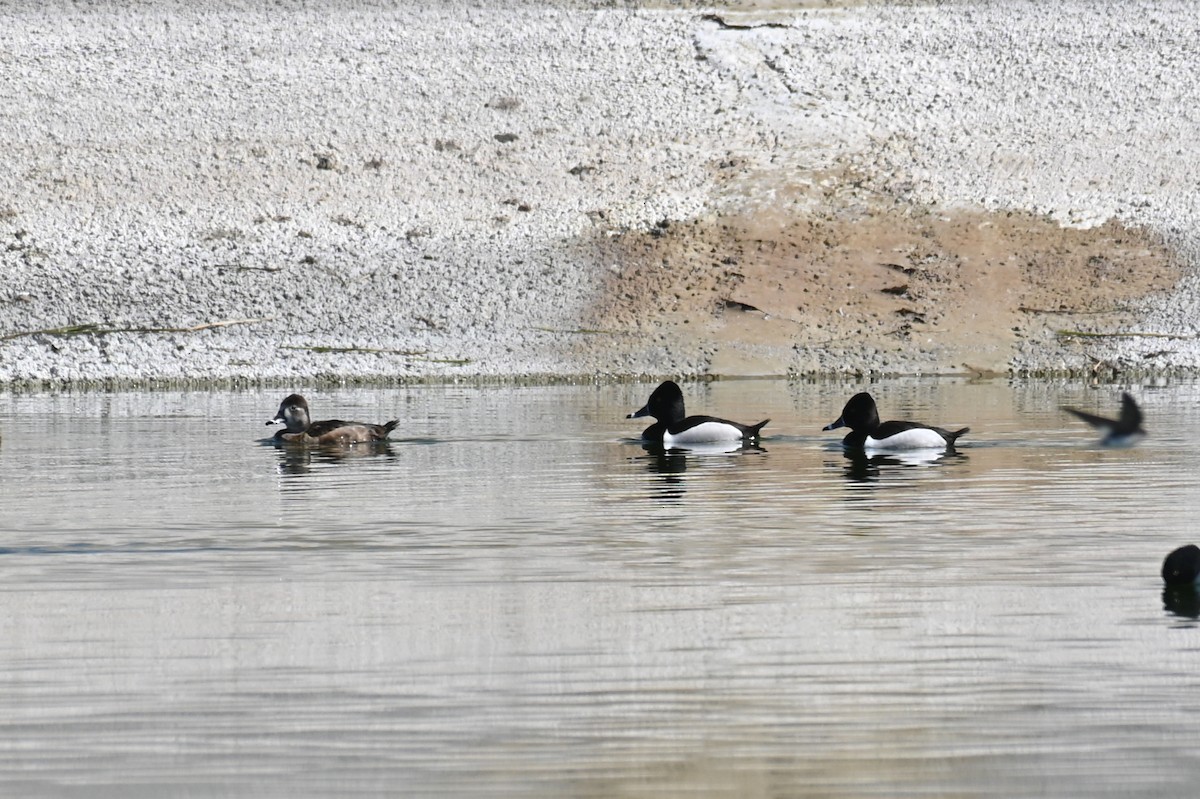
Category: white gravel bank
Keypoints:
(420, 184)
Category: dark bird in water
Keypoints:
(867, 432)
(1182, 566)
(293, 412)
(675, 428)
(1123, 431)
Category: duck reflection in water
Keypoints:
(670, 463)
(1180, 573)
(1181, 601)
(862, 466)
(301, 460)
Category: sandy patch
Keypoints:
(872, 285)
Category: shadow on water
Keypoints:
(669, 464)
(1182, 601)
(299, 460)
(864, 467)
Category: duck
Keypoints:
(866, 431)
(1124, 431)
(1182, 567)
(673, 427)
(299, 429)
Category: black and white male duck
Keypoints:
(1124, 431)
(299, 429)
(674, 428)
(867, 432)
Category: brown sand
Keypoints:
(866, 284)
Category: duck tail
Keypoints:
(388, 427)
(755, 430)
(954, 436)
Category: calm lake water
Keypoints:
(516, 599)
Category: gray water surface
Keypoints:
(516, 598)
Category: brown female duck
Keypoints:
(293, 412)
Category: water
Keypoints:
(516, 599)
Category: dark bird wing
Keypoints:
(1131, 414)
(1096, 421)
(318, 429)
(892, 428)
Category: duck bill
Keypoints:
(276, 420)
(645, 411)
(835, 425)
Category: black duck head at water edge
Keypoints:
(1182, 567)
(665, 404)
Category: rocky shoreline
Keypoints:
(303, 192)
